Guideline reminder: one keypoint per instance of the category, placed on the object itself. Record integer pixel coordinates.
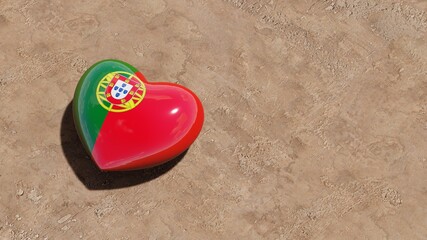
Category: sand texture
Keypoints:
(315, 119)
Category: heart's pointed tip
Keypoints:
(117, 166)
(103, 166)
(106, 168)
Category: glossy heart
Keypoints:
(127, 123)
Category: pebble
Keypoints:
(19, 192)
(64, 218)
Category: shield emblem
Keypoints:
(121, 89)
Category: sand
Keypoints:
(316, 124)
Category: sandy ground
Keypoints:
(316, 124)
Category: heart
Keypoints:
(128, 123)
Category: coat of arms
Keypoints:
(120, 91)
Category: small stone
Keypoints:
(19, 192)
(329, 8)
(64, 218)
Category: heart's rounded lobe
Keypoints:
(162, 126)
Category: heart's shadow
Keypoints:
(87, 171)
